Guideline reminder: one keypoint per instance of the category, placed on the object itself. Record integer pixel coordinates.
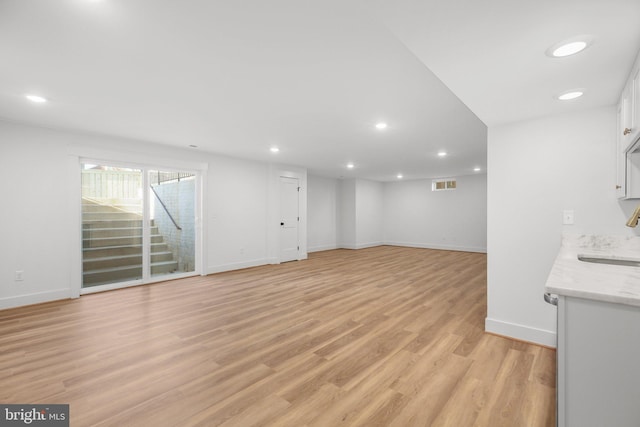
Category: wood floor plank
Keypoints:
(504, 406)
(538, 407)
(427, 402)
(384, 336)
(310, 407)
(465, 403)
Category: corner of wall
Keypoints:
(521, 332)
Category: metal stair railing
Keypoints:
(165, 208)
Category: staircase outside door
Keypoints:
(138, 225)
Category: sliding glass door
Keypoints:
(173, 227)
(138, 225)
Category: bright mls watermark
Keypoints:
(34, 415)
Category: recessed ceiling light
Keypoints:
(476, 169)
(570, 46)
(274, 149)
(572, 94)
(399, 176)
(569, 49)
(36, 98)
(350, 165)
(442, 153)
(381, 125)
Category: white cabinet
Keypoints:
(628, 138)
(628, 119)
(621, 159)
(598, 363)
(633, 130)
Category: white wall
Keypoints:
(33, 217)
(237, 214)
(369, 206)
(39, 181)
(357, 213)
(322, 229)
(454, 220)
(537, 169)
(346, 204)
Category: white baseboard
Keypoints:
(359, 245)
(346, 246)
(438, 246)
(237, 265)
(368, 245)
(520, 332)
(35, 298)
(321, 248)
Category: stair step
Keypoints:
(97, 232)
(99, 263)
(112, 243)
(131, 272)
(158, 264)
(94, 209)
(117, 206)
(101, 252)
(105, 242)
(127, 201)
(93, 216)
(115, 223)
(112, 262)
(112, 223)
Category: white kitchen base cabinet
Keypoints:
(598, 363)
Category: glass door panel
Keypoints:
(172, 199)
(112, 219)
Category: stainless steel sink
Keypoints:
(611, 261)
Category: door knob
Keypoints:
(627, 131)
(282, 223)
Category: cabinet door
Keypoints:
(621, 158)
(627, 116)
(598, 353)
(635, 106)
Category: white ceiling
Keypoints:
(312, 77)
(491, 54)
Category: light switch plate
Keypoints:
(567, 217)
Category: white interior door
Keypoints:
(289, 219)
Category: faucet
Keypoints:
(633, 220)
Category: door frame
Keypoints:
(273, 216)
(283, 218)
(79, 155)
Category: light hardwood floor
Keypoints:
(386, 336)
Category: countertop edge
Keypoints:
(599, 282)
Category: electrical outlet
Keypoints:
(19, 276)
(241, 251)
(567, 217)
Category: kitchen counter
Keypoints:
(601, 282)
